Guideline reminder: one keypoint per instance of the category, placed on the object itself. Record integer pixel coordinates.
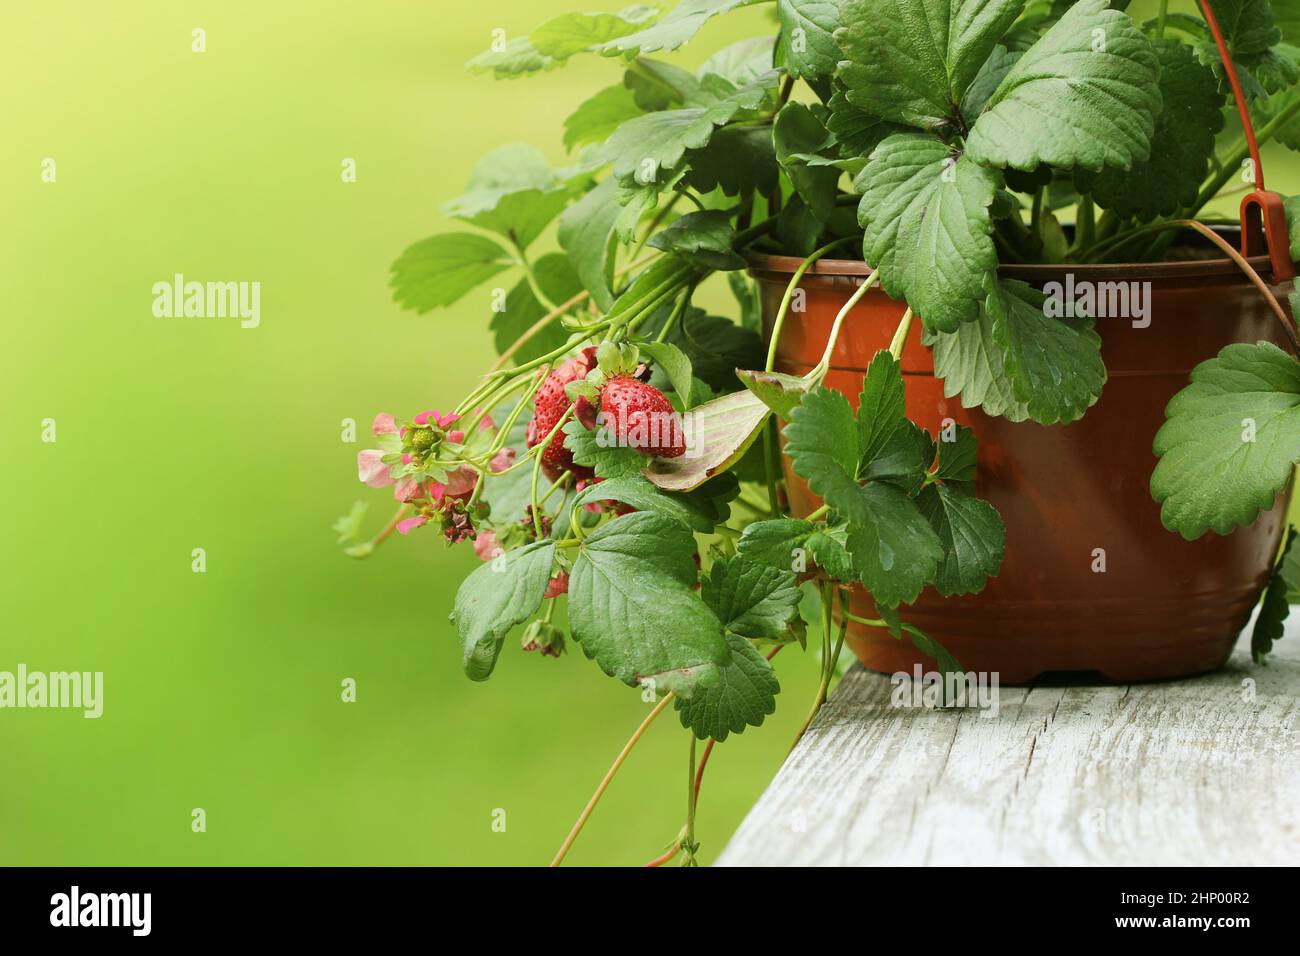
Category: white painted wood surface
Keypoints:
(1203, 771)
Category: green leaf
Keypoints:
(744, 694)
(1065, 104)
(970, 363)
(910, 61)
(1276, 607)
(903, 460)
(790, 544)
(521, 308)
(927, 227)
(517, 58)
(642, 495)
(957, 456)
(972, 535)
(806, 46)
(495, 597)
(598, 448)
(643, 148)
(569, 33)
(750, 597)
(927, 645)
(348, 526)
(632, 608)
(1180, 149)
(656, 85)
(586, 234)
(738, 160)
(673, 30)
(597, 118)
(1230, 441)
(778, 391)
(674, 364)
(741, 63)
(894, 550)
(858, 131)
(717, 347)
(706, 236)
(512, 191)
(796, 133)
(718, 434)
(1054, 364)
(437, 271)
(992, 73)
(881, 408)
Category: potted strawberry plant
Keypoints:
(981, 351)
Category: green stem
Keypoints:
(819, 513)
(537, 468)
(1160, 19)
(690, 805)
(789, 296)
(605, 781)
(819, 371)
(900, 335)
(1085, 224)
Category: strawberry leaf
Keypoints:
(778, 391)
(632, 608)
(598, 448)
(705, 236)
(806, 46)
(927, 228)
(970, 363)
(586, 234)
(438, 271)
(1068, 103)
(571, 33)
(750, 597)
(673, 30)
(513, 192)
(1277, 603)
(910, 61)
(719, 433)
(676, 367)
(894, 549)
(597, 118)
(494, 598)
(642, 495)
(972, 535)
(1180, 148)
(1230, 441)
(521, 309)
(743, 695)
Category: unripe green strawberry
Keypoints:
(641, 417)
(549, 404)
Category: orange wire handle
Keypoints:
(1260, 208)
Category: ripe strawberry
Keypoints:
(641, 417)
(550, 403)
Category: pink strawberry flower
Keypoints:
(486, 545)
(407, 526)
(501, 461)
(384, 424)
(435, 418)
(372, 470)
(408, 489)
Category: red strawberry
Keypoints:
(642, 418)
(550, 403)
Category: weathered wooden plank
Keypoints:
(1201, 771)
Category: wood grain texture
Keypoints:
(1202, 771)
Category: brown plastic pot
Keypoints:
(1164, 606)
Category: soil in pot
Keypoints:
(1091, 580)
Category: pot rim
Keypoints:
(783, 265)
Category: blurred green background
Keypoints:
(223, 689)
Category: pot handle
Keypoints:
(1260, 208)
